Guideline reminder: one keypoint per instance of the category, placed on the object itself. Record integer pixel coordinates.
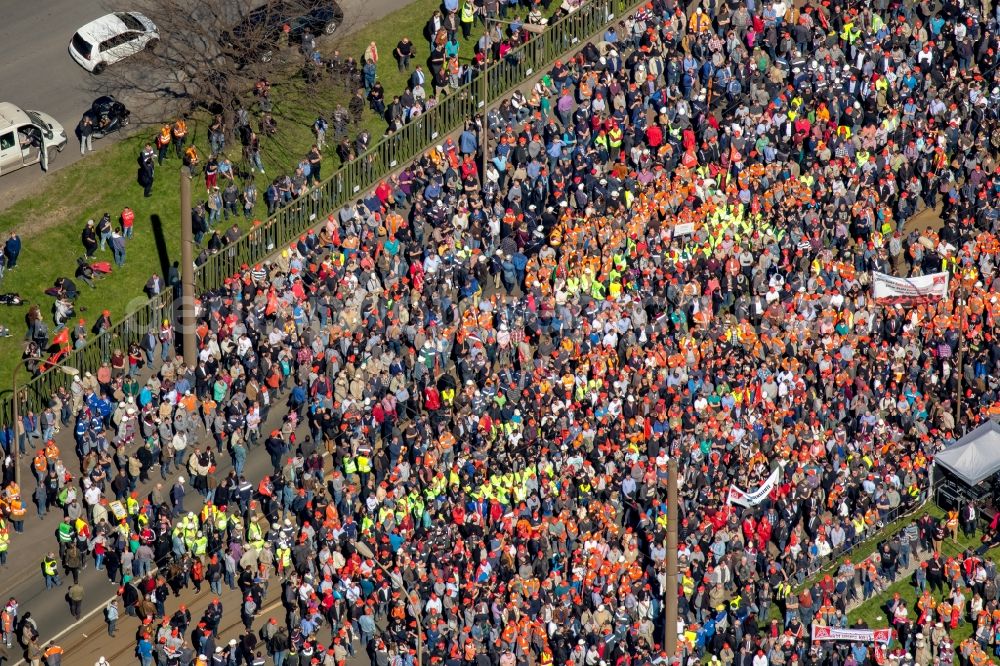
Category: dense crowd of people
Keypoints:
(953, 591)
(669, 256)
(490, 31)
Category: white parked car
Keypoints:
(112, 38)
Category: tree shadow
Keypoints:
(161, 243)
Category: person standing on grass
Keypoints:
(211, 173)
(199, 226)
(117, 244)
(315, 163)
(249, 197)
(230, 200)
(104, 231)
(179, 134)
(251, 152)
(128, 220)
(371, 53)
(214, 205)
(226, 171)
(162, 143)
(467, 19)
(217, 135)
(12, 250)
(403, 53)
(89, 239)
(370, 74)
(146, 171)
(319, 131)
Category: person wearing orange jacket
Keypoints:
(179, 134)
(17, 513)
(163, 143)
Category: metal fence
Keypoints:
(870, 539)
(35, 394)
(350, 181)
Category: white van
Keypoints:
(28, 137)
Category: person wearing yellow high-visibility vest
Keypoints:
(255, 536)
(467, 18)
(132, 504)
(283, 557)
(50, 570)
(363, 461)
(848, 33)
(190, 530)
(615, 136)
(221, 522)
(200, 545)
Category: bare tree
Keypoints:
(211, 53)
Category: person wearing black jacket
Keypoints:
(85, 131)
(89, 239)
(146, 173)
(130, 597)
(935, 573)
(181, 619)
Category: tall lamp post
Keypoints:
(65, 369)
(960, 300)
(397, 580)
(187, 318)
(670, 592)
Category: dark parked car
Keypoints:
(256, 36)
(107, 115)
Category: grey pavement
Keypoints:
(37, 72)
(22, 578)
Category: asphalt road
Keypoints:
(37, 72)
(22, 578)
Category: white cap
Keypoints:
(180, 479)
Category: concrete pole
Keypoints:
(187, 316)
(670, 589)
(484, 141)
(960, 361)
